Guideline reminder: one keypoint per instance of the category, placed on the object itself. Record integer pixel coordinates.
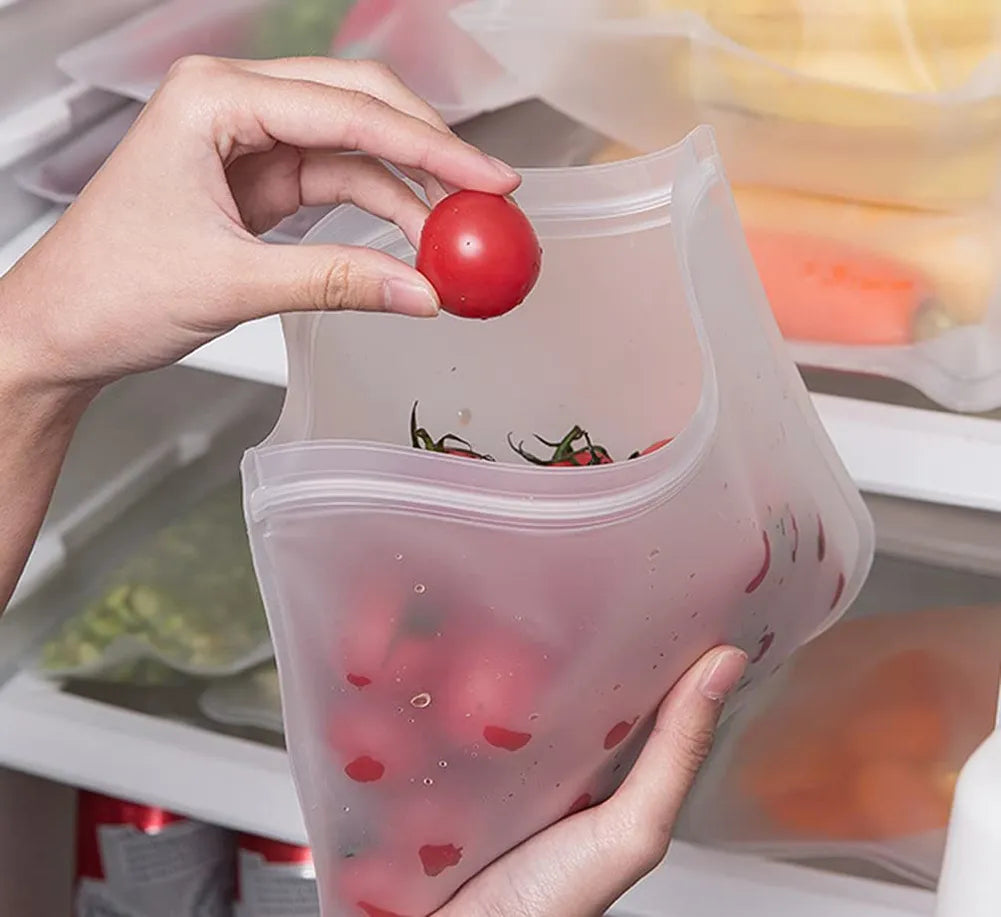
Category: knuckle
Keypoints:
(692, 745)
(376, 71)
(337, 286)
(193, 68)
(360, 109)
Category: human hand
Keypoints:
(160, 252)
(582, 865)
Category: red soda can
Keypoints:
(134, 860)
(274, 879)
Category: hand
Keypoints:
(580, 866)
(160, 253)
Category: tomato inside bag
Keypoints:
(472, 644)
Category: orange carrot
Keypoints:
(829, 292)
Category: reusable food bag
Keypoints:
(863, 139)
(186, 602)
(417, 39)
(470, 649)
(854, 750)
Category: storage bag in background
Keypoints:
(470, 649)
(430, 53)
(863, 138)
(417, 39)
(144, 862)
(186, 602)
(249, 699)
(853, 751)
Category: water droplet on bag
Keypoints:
(420, 701)
(653, 553)
(420, 589)
(442, 764)
(428, 781)
(465, 416)
(347, 808)
(533, 716)
(399, 557)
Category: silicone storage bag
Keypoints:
(470, 649)
(863, 138)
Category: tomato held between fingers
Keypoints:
(480, 253)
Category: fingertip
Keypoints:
(720, 672)
(413, 298)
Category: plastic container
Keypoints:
(487, 641)
(969, 885)
(866, 99)
(866, 136)
(250, 699)
(184, 602)
(908, 294)
(445, 65)
(853, 752)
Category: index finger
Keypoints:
(311, 115)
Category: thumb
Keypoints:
(306, 278)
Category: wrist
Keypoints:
(30, 376)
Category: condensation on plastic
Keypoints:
(250, 699)
(877, 125)
(853, 751)
(436, 58)
(509, 630)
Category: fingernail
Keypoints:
(502, 167)
(404, 297)
(723, 675)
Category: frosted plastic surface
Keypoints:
(867, 130)
(444, 66)
(855, 749)
(468, 649)
(870, 99)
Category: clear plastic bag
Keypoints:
(437, 59)
(864, 139)
(875, 100)
(469, 649)
(250, 699)
(853, 751)
(186, 602)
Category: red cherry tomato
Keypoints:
(480, 253)
(372, 743)
(491, 691)
(372, 884)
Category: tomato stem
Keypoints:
(449, 444)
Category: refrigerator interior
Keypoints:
(144, 449)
